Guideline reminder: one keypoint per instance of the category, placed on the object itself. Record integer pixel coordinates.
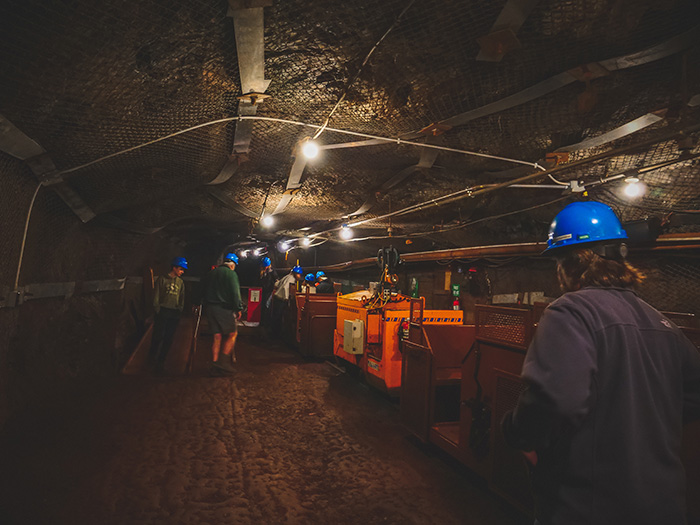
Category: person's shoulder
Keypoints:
(579, 300)
(595, 295)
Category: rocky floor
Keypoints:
(283, 441)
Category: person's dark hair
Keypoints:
(578, 268)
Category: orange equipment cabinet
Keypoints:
(367, 334)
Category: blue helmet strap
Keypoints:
(616, 250)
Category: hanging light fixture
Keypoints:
(345, 232)
(309, 148)
(634, 187)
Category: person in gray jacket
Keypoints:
(168, 303)
(609, 382)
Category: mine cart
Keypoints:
(691, 432)
(459, 381)
(457, 384)
(368, 329)
(316, 320)
(431, 375)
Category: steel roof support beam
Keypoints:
(502, 37)
(593, 70)
(248, 27)
(16, 143)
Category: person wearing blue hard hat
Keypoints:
(268, 278)
(282, 286)
(324, 284)
(223, 306)
(309, 283)
(608, 381)
(591, 223)
(168, 303)
(281, 295)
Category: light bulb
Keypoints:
(284, 246)
(257, 252)
(634, 189)
(310, 149)
(306, 242)
(345, 232)
(267, 221)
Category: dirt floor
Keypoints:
(283, 441)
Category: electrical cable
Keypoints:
(472, 192)
(359, 70)
(557, 181)
(483, 188)
(24, 235)
(456, 227)
(240, 118)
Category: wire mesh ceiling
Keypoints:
(87, 80)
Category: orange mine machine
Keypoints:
(368, 329)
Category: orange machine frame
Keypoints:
(380, 356)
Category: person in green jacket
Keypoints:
(223, 306)
(168, 303)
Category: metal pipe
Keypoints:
(479, 190)
(665, 242)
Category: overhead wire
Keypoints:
(359, 69)
(592, 185)
(443, 230)
(388, 140)
(479, 190)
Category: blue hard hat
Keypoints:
(179, 261)
(265, 262)
(231, 257)
(583, 223)
(310, 278)
(320, 274)
(298, 269)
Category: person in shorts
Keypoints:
(223, 306)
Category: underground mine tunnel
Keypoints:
(158, 156)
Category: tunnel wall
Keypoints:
(49, 345)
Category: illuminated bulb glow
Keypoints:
(267, 221)
(244, 254)
(305, 242)
(257, 252)
(310, 149)
(345, 233)
(284, 246)
(634, 189)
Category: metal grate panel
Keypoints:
(508, 326)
